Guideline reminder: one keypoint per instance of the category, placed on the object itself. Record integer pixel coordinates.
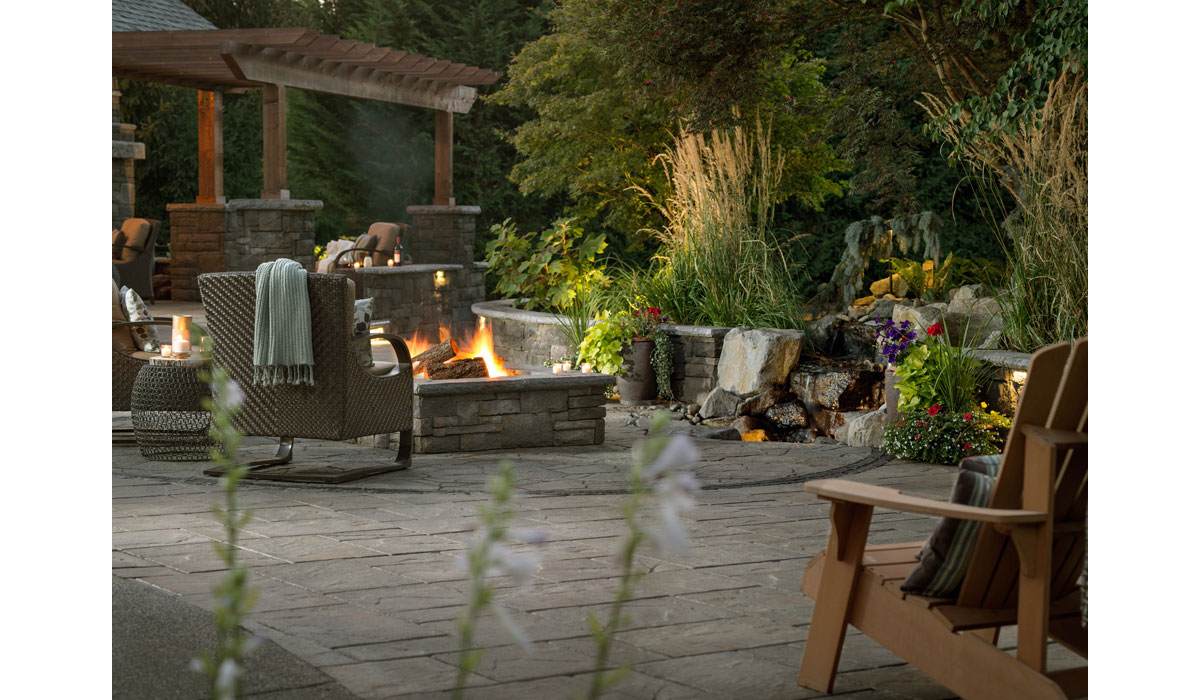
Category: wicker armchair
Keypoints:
(347, 400)
(133, 256)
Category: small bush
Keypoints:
(547, 268)
(945, 437)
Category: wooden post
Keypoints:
(274, 100)
(443, 158)
(210, 107)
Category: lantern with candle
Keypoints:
(181, 335)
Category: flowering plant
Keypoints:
(643, 323)
(936, 372)
(940, 436)
(893, 339)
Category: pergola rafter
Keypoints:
(231, 60)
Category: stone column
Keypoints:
(124, 152)
(197, 246)
(238, 235)
(260, 230)
(445, 235)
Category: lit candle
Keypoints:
(391, 263)
(585, 367)
(357, 264)
(181, 338)
(567, 366)
(557, 368)
(166, 351)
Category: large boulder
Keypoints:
(755, 359)
(921, 317)
(837, 389)
(896, 285)
(822, 333)
(758, 404)
(719, 403)
(863, 428)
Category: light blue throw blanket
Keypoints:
(282, 325)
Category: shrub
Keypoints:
(548, 268)
(944, 437)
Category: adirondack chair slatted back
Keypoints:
(1055, 396)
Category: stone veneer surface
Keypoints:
(533, 410)
(238, 235)
(414, 299)
(531, 337)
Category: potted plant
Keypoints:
(624, 345)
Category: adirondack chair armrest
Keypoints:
(1060, 439)
(871, 495)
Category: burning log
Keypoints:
(444, 351)
(469, 368)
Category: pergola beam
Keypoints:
(279, 67)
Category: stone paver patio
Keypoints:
(359, 579)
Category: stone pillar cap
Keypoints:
(440, 209)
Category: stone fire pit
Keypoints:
(534, 409)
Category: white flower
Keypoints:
(675, 495)
(510, 625)
(229, 396)
(227, 675)
(678, 452)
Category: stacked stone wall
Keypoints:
(261, 230)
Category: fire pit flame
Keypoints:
(478, 345)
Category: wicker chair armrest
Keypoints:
(338, 260)
(127, 324)
(399, 345)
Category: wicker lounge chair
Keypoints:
(347, 401)
(133, 256)
(1027, 557)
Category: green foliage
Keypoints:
(663, 362)
(233, 596)
(943, 436)
(576, 316)
(934, 372)
(604, 341)
(546, 270)
(950, 274)
(606, 106)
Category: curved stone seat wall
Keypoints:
(530, 338)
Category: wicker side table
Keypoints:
(169, 421)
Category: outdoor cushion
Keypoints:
(118, 243)
(136, 232)
(944, 558)
(363, 308)
(144, 337)
(121, 339)
(381, 368)
(385, 240)
(363, 241)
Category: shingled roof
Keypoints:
(154, 16)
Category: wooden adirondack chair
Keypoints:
(1023, 570)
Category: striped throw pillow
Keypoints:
(944, 559)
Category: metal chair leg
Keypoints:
(283, 455)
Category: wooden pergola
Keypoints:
(230, 60)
